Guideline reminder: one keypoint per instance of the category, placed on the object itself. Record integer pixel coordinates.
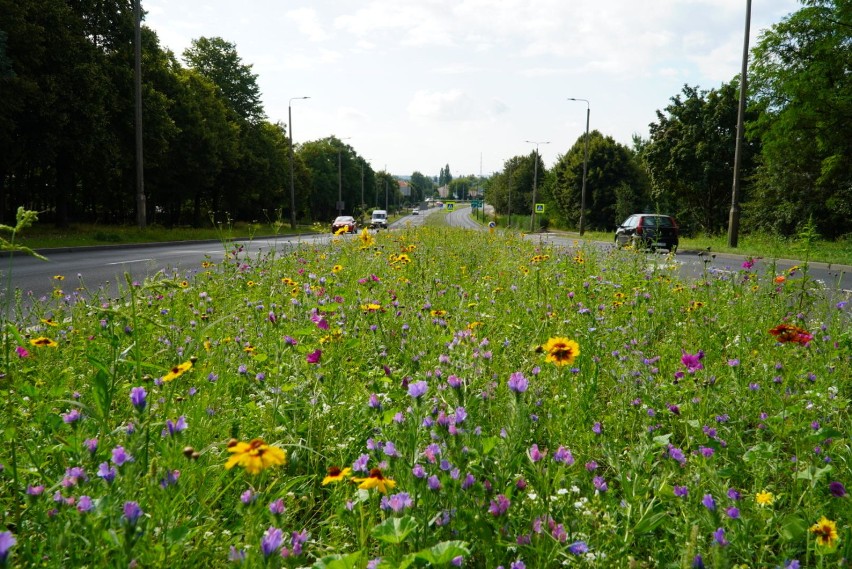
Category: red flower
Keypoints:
(788, 333)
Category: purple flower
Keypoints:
(91, 445)
(236, 555)
(597, 428)
(733, 512)
(499, 506)
(138, 397)
(706, 452)
(591, 466)
(84, 504)
(518, 383)
(170, 479)
(397, 502)
(457, 561)
(7, 541)
(247, 497)
(417, 389)
(578, 547)
(837, 489)
(564, 456)
(277, 507)
(271, 542)
(677, 454)
(433, 483)
(374, 402)
(600, 483)
(418, 471)
(680, 491)
(298, 539)
(120, 456)
(360, 465)
(175, 427)
(106, 472)
(132, 512)
(734, 494)
(517, 565)
(468, 481)
(35, 490)
(71, 416)
(719, 537)
(313, 358)
(692, 362)
(535, 454)
(708, 502)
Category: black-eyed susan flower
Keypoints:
(437, 313)
(825, 531)
(177, 371)
(206, 264)
(255, 455)
(375, 480)
(336, 474)
(43, 342)
(49, 322)
(336, 269)
(371, 307)
(58, 277)
(366, 238)
(561, 351)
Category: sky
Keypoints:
(416, 85)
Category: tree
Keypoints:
(690, 156)
(218, 60)
(616, 185)
(802, 84)
(421, 186)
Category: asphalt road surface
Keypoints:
(104, 268)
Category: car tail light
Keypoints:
(639, 227)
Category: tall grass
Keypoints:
(440, 366)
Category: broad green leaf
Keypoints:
(443, 553)
(394, 530)
(793, 528)
(340, 561)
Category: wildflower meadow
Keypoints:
(429, 398)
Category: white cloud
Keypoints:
(308, 23)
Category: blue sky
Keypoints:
(418, 84)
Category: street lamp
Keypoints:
(292, 175)
(535, 181)
(585, 167)
(340, 179)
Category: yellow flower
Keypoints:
(336, 474)
(336, 269)
(250, 283)
(371, 307)
(254, 456)
(825, 531)
(561, 351)
(342, 230)
(58, 293)
(206, 265)
(288, 281)
(184, 284)
(366, 238)
(41, 342)
(694, 305)
(764, 498)
(375, 480)
(58, 277)
(438, 313)
(524, 270)
(177, 371)
(49, 322)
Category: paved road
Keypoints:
(106, 266)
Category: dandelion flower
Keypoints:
(42, 341)
(561, 351)
(177, 371)
(764, 498)
(375, 480)
(254, 456)
(336, 474)
(825, 531)
(371, 307)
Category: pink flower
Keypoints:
(692, 362)
(22, 352)
(314, 357)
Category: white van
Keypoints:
(379, 219)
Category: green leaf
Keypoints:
(340, 561)
(102, 393)
(178, 533)
(662, 440)
(488, 444)
(793, 528)
(394, 530)
(443, 553)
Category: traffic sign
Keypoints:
(539, 208)
(450, 206)
(476, 204)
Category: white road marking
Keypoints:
(131, 261)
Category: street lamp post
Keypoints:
(734, 215)
(585, 167)
(340, 179)
(535, 181)
(509, 220)
(292, 174)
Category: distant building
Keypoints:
(444, 191)
(404, 188)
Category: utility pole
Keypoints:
(535, 181)
(141, 214)
(734, 217)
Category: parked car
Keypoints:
(379, 219)
(415, 211)
(344, 224)
(648, 231)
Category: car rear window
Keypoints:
(657, 222)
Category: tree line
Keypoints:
(67, 146)
(796, 162)
(211, 154)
